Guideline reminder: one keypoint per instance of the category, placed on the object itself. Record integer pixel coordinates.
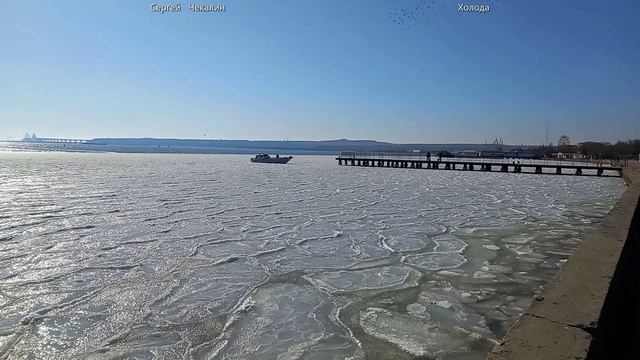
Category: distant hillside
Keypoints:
(325, 146)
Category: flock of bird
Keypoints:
(407, 16)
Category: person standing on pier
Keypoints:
(428, 156)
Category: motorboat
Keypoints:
(265, 158)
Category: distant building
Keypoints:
(513, 153)
(567, 152)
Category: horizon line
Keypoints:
(299, 140)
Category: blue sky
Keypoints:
(305, 69)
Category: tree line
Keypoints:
(621, 149)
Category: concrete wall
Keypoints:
(590, 308)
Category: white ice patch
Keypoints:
(279, 325)
(449, 243)
(396, 276)
(446, 307)
(419, 310)
(483, 275)
(409, 333)
(436, 261)
(402, 243)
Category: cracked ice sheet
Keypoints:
(409, 333)
(288, 321)
(396, 276)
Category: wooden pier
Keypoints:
(524, 166)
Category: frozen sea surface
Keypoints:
(210, 256)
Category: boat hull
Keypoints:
(280, 160)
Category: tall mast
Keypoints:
(546, 140)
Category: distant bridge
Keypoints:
(55, 140)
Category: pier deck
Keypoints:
(525, 166)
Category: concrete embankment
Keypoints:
(590, 307)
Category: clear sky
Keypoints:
(311, 69)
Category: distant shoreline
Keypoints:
(197, 146)
(19, 146)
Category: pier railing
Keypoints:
(475, 159)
